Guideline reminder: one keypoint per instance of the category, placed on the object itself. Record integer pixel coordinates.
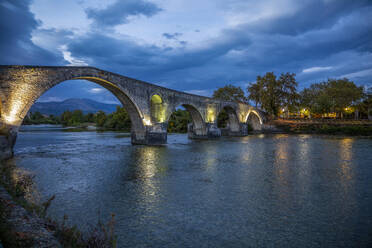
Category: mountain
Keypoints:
(86, 105)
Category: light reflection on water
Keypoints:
(261, 190)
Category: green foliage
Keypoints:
(37, 118)
(315, 98)
(178, 121)
(74, 118)
(230, 93)
(100, 118)
(332, 96)
(343, 93)
(273, 93)
(336, 130)
(222, 119)
(89, 118)
(119, 120)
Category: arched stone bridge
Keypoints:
(149, 106)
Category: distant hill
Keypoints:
(86, 105)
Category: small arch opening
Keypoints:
(186, 118)
(158, 109)
(254, 121)
(228, 121)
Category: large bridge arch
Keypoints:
(28, 89)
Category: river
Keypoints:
(259, 190)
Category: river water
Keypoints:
(260, 190)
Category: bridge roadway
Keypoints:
(149, 106)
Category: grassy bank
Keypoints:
(331, 127)
(336, 130)
(20, 186)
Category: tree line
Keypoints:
(118, 120)
(279, 96)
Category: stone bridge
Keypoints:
(149, 106)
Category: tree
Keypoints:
(77, 117)
(315, 99)
(89, 118)
(335, 95)
(100, 118)
(289, 97)
(272, 93)
(119, 120)
(230, 93)
(343, 93)
(66, 118)
(254, 93)
(178, 121)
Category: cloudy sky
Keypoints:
(190, 45)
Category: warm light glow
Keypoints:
(12, 117)
(254, 112)
(349, 110)
(147, 122)
(158, 109)
(156, 99)
(305, 112)
(211, 116)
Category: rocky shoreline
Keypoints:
(20, 228)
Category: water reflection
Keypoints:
(346, 156)
(303, 163)
(255, 191)
(146, 164)
(281, 158)
(281, 167)
(347, 173)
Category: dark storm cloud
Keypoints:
(142, 61)
(172, 36)
(16, 25)
(239, 54)
(120, 11)
(112, 52)
(312, 15)
(335, 36)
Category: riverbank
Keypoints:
(318, 126)
(24, 221)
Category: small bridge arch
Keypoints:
(198, 126)
(254, 119)
(233, 125)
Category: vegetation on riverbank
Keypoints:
(20, 186)
(331, 127)
(116, 121)
(335, 98)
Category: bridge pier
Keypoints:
(8, 136)
(155, 134)
(211, 132)
(242, 131)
